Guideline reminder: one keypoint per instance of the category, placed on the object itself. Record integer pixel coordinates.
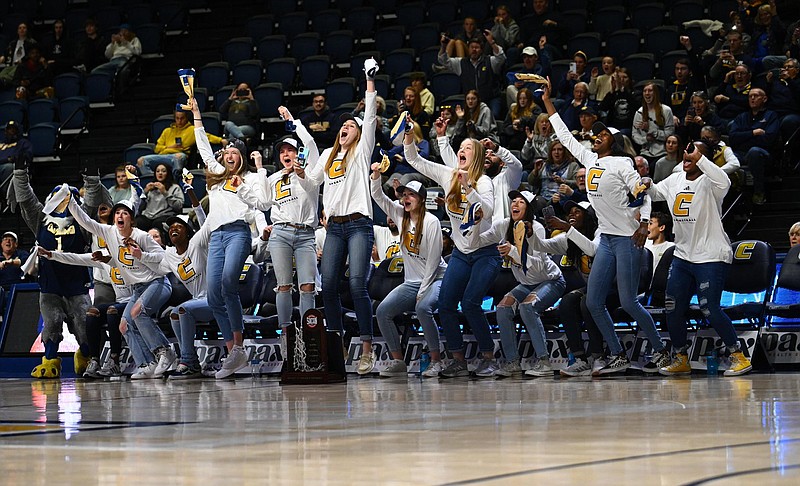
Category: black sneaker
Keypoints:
(616, 364)
(185, 372)
(660, 359)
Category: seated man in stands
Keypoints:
(240, 112)
(14, 148)
(174, 145)
(91, 48)
(123, 46)
(11, 260)
(320, 121)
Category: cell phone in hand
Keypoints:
(573, 67)
(178, 141)
(690, 148)
(548, 212)
(301, 157)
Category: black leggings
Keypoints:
(96, 333)
(574, 315)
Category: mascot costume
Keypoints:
(64, 293)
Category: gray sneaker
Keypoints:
(456, 368)
(144, 371)
(541, 368)
(578, 368)
(396, 367)
(434, 370)
(236, 360)
(510, 368)
(110, 368)
(598, 364)
(165, 359)
(486, 368)
(210, 369)
(92, 370)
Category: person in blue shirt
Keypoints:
(12, 260)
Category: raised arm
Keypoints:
(439, 173)
(391, 208)
(203, 145)
(585, 156)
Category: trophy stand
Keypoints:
(314, 355)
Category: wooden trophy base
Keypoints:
(321, 357)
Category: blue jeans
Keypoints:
(467, 279)
(545, 295)
(709, 280)
(288, 245)
(227, 250)
(618, 256)
(111, 67)
(152, 296)
(351, 239)
(185, 325)
(176, 161)
(756, 159)
(239, 131)
(404, 298)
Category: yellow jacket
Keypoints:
(186, 134)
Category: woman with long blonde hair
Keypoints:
(652, 124)
(474, 262)
(344, 170)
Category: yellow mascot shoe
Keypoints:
(81, 362)
(50, 368)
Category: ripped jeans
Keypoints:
(708, 279)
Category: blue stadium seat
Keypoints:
(138, 14)
(477, 9)
(324, 22)
(347, 5)
(237, 50)
(423, 36)
(74, 113)
(400, 84)
(357, 62)
(588, 42)
(427, 58)
(159, 124)
(108, 16)
(646, 16)
(271, 47)
(282, 70)
(564, 5)
(213, 76)
(340, 91)
(410, 15)
(399, 61)
(269, 97)
(361, 21)
(382, 83)
(609, 19)
(44, 138)
(282, 5)
(221, 95)
(390, 38)
(640, 66)
(686, 10)
(314, 72)
(305, 45)
(259, 26)
(41, 110)
(200, 95)
(212, 122)
(100, 88)
(131, 154)
(12, 111)
(575, 21)
(249, 71)
(660, 40)
(445, 84)
(152, 38)
(442, 12)
(339, 45)
(67, 85)
(292, 24)
(623, 43)
(174, 16)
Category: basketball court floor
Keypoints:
(627, 430)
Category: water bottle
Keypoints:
(424, 360)
(570, 359)
(712, 363)
(255, 368)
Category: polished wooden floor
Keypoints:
(629, 430)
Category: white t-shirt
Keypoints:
(189, 267)
(540, 267)
(122, 291)
(657, 250)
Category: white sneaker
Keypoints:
(166, 360)
(486, 368)
(598, 364)
(433, 370)
(92, 369)
(284, 351)
(578, 368)
(235, 361)
(366, 363)
(541, 368)
(145, 371)
(396, 367)
(110, 368)
(510, 368)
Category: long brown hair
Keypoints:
(212, 179)
(518, 112)
(475, 171)
(656, 106)
(469, 113)
(347, 155)
(416, 108)
(418, 215)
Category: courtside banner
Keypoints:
(557, 350)
(640, 351)
(781, 347)
(706, 340)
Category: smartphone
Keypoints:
(573, 68)
(178, 141)
(548, 212)
(301, 157)
(691, 112)
(690, 148)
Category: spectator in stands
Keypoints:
(12, 260)
(697, 116)
(620, 249)
(784, 96)
(478, 72)
(577, 242)
(475, 262)
(570, 111)
(412, 103)
(473, 121)
(586, 116)
(641, 165)
(13, 149)
(547, 176)
(752, 135)
(620, 104)
(702, 256)
(566, 86)
(731, 54)
(240, 112)
(387, 239)
(33, 78)
(544, 22)
(383, 127)
(426, 98)
(174, 145)
(792, 45)
(530, 65)
(570, 193)
(794, 234)
(16, 52)
(768, 35)
(540, 285)
(158, 236)
(320, 121)
(673, 148)
(537, 144)
(164, 199)
(457, 46)
(652, 124)
(680, 90)
(446, 113)
(58, 50)
(659, 231)
(447, 241)
(349, 208)
(520, 115)
(421, 250)
(600, 84)
(506, 30)
(732, 94)
(123, 46)
(122, 189)
(91, 48)
(400, 170)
